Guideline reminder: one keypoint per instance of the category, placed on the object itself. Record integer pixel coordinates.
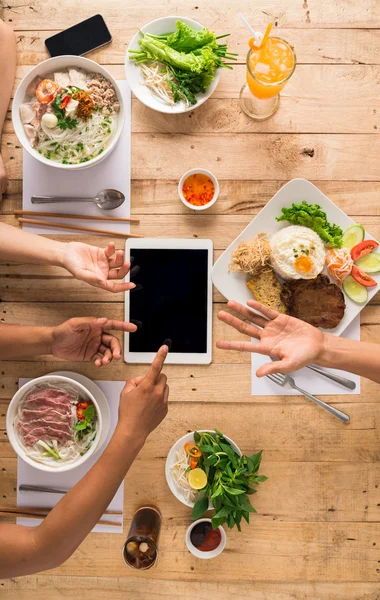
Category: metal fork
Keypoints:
(283, 380)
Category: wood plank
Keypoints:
(318, 497)
(51, 314)
(97, 588)
(287, 429)
(271, 551)
(160, 196)
(321, 46)
(326, 85)
(261, 156)
(324, 14)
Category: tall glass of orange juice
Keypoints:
(268, 69)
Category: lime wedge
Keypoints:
(197, 479)
(353, 235)
(354, 290)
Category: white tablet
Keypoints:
(172, 300)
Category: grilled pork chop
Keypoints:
(316, 301)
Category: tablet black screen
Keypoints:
(172, 300)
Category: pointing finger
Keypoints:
(117, 325)
(157, 365)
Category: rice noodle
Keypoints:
(179, 473)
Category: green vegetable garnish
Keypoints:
(311, 215)
(88, 417)
(230, 479)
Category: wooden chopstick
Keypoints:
(40, 516)
(31, 509)
(78, 228)
(62, 216)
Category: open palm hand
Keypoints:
(291, 342)
(97, 266)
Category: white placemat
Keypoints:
(305, 378)
(113, 172)
(30, 476)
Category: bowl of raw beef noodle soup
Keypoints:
(68, 112)
(49, 426)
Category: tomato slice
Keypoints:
(362, 277)
(193, 450)
(363, 248)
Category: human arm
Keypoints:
(294, 344)
(8, 70)
(96, 266)
(25, 550)
(84, 338)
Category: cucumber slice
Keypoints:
(354, 290)
(370, 263)
(353, 235)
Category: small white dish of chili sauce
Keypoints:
(198, 189)
(203, 541)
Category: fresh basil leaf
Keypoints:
(234, 491)
(197, 438)
(199, 508)
(217, 522)
(211, 460)
(245, 515)
(254, 462)
(89, 412)
(206, 448)
(261, 478)
(223, 512)
(80, 425)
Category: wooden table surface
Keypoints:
(317, 531)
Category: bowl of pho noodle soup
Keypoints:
(68, 112)
(54, 423)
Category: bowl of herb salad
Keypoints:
(206, 470)
(173, 64)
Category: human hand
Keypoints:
(86, 339)
(291, 342)
(97, 266)
(144, 400)
(3, 178)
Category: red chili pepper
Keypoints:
(64, 102)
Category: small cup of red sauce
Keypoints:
(203, 541)
(198, 189)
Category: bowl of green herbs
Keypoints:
(173, 64)
(232, 477)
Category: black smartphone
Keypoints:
(81, 38)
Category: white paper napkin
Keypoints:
(113, 172)
(66, 480)
(312, 382)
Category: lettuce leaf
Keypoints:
(312, 216)
(186, 39)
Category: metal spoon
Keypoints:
(106, 200)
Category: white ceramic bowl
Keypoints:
(12, 411)
(200, 553)
(59, 63)
(202, 172)
(171, 459)
(134, 76)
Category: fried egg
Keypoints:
(297, 253)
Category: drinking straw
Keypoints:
(266, 35)
(257, 35)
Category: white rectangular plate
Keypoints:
(168, 244)
(233, 285)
